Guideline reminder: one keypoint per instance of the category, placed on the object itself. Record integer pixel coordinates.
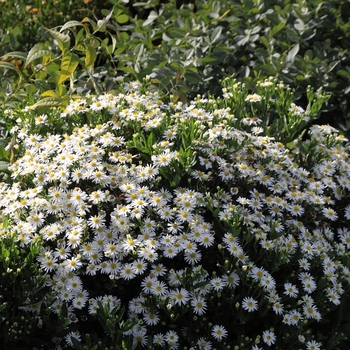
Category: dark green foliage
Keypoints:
(20, 284)
(190, 46)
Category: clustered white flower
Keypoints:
(98, 204)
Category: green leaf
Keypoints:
(16, 54)
(4, 165)
(76, 343)
(265, 41)
(150, 141)
(344, 74)
(8, 65)
(176, 33)
(69, 62)
(54, 70)
(71, 24)
(193, 78)
(49, 102)
(101, 25)
(292, 53)
(91, 22)
(299, 25)
(209, 59)
(49, 93)
(37, 51)
(215, 35)
(151, 18)
(90, 56)
(63, 40)
(123, 18)
(277, 28)
(127, 70)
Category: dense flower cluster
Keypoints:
(200, 227)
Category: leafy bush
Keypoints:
(189, 48)
(21, 282)
(165, 225)
(23, 22)
(301, 43)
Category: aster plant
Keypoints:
(218, 224)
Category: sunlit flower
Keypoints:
(180, 296)
(199, 305)
(269, 337)
(253, 98)
(249, 304)
(219, 332)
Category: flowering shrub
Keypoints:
(166, 226)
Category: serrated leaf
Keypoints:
(8, 65)
(90, 56)
(69, 62)
(63, 40)
(15, 54)
(48, 102)
(37, 51)
(71, 24)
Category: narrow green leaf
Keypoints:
(114, 43)
(4, 166)
(71, 24)
(108, 17)
(90, 56)
(265, 41)
(209, 59)
(150, 141)
(277, 28)
(76, 343)
(16, 54)
(127, 70)
(215, 35)
(193, 78)
(49, 93)
(101, 25)
(87, 20)
(343, 73)
(299, 25)
(37, 51)
(292, 53)
(151, 18)
(63, 40)
(54, 70)
(176, 33)
(49, 102)
(69, 62)
(8, 65)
